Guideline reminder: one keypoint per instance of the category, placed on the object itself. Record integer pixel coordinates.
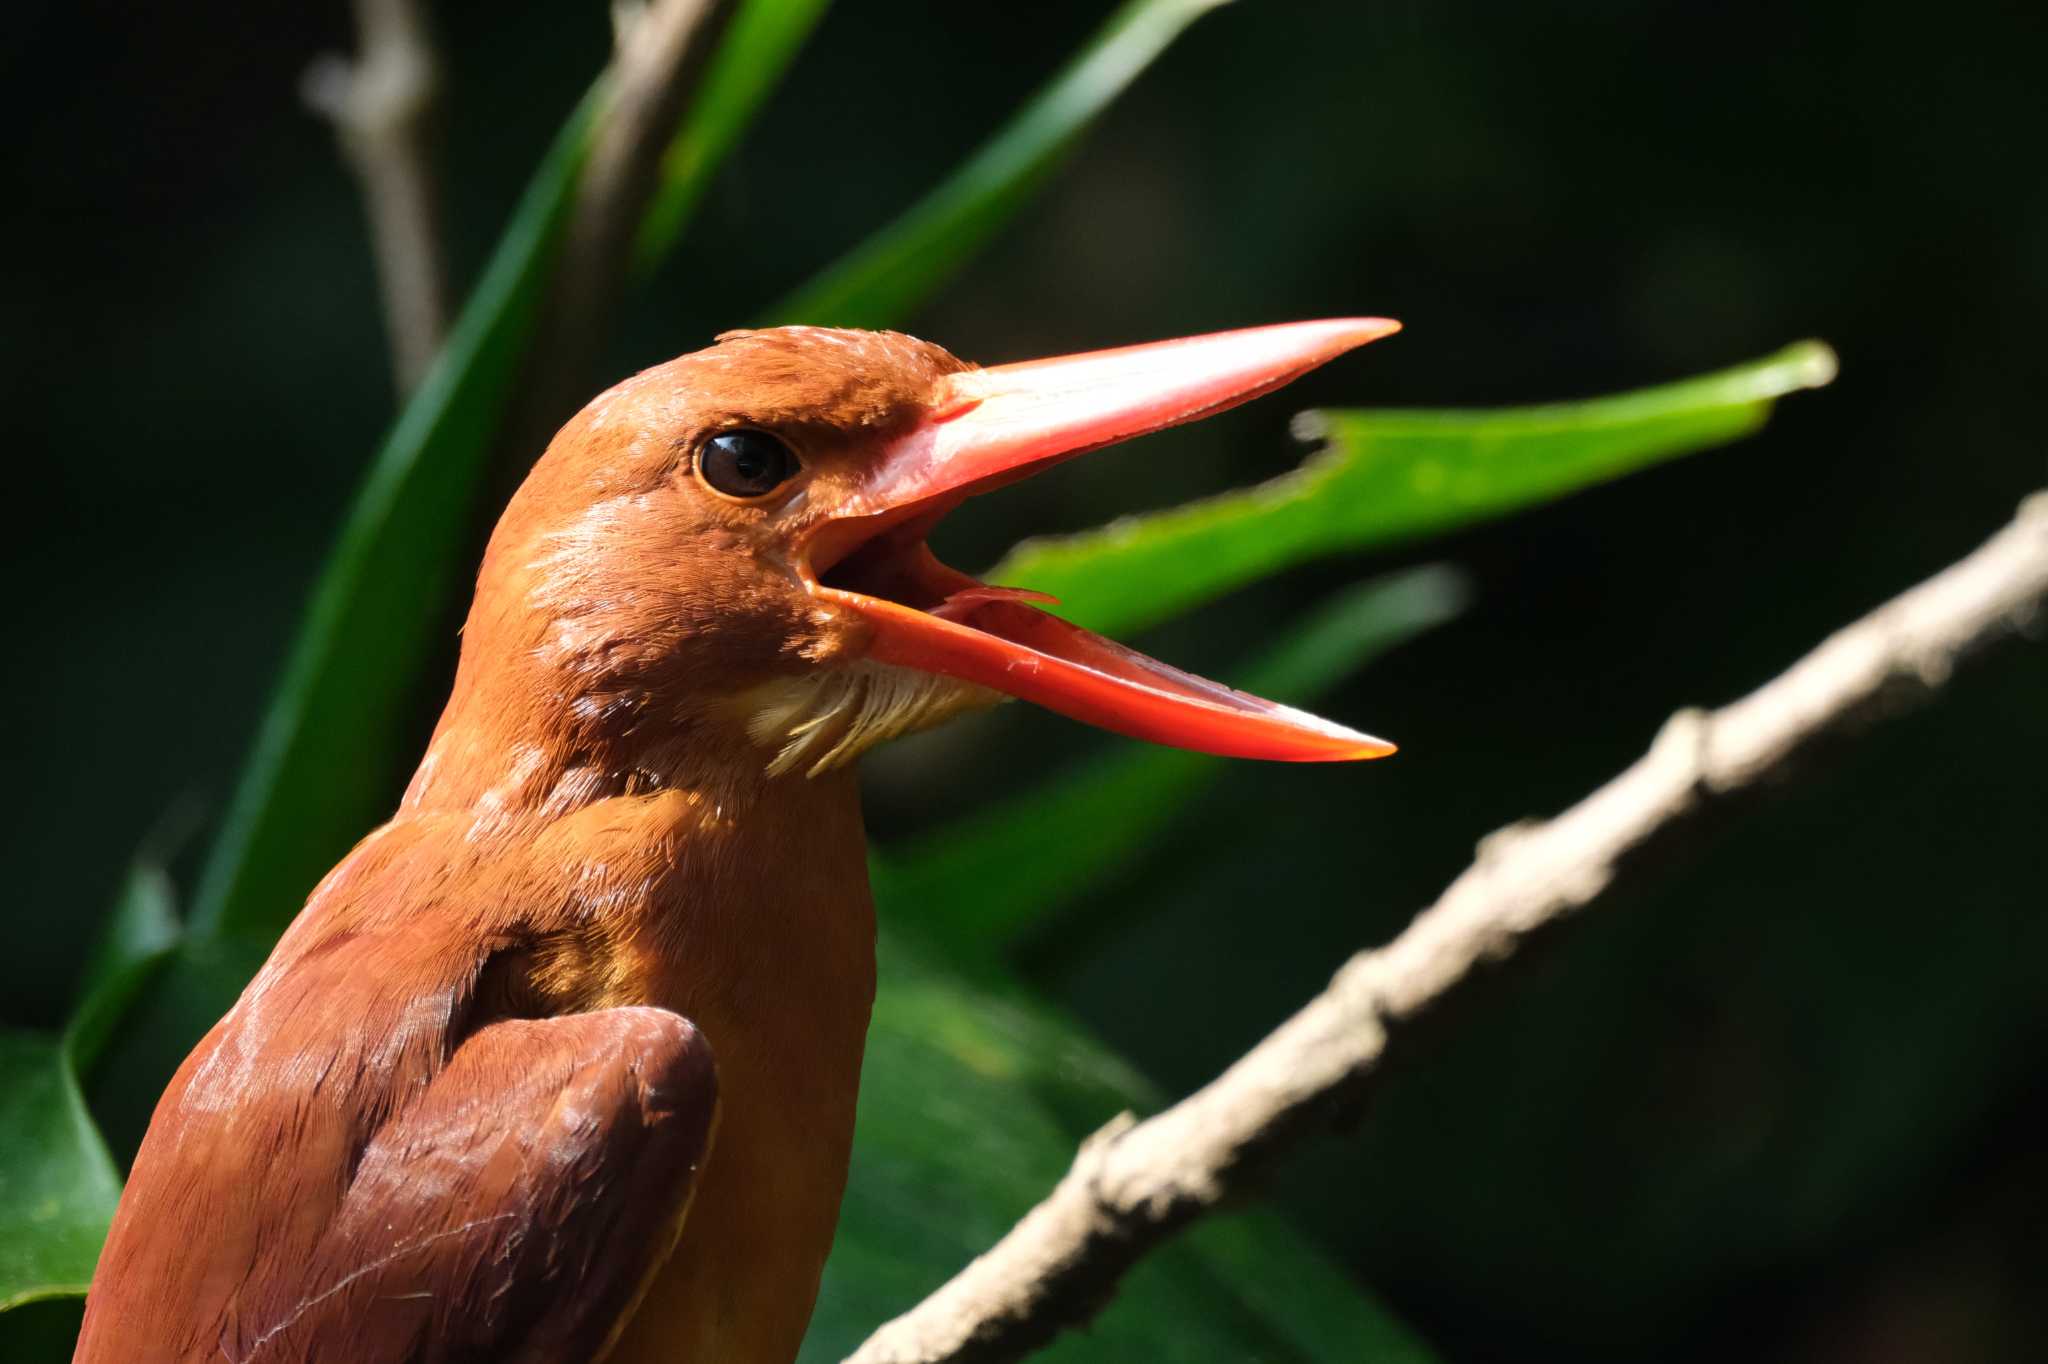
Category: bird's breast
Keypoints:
(773, 959)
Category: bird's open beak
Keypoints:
(988, 427)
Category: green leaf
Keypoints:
(58, 1185)
(1389, 475)
(972, 1101)
(978, 882)
(139, 936)
(759, 44)
(885, 277)
(58, 1182)
(328, 750)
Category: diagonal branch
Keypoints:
(382, 106)
(1133, 1184)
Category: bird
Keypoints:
(560, 1063)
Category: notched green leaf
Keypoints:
(1382, 476)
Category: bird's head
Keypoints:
(731, 548)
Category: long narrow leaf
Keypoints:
(980, 881)
(1389, 475)
(327, 752)
(758, 46)
(880, 281)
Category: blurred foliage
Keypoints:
(328, 751)
(1753, 1121)
(892, 272)
(971, 1099)
(761, 40)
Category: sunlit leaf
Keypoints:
(972, 1101)
(885, 277)
(977, 882)
(58, 1185)
(1389, 475)
(759, 43)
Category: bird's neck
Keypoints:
(519, 745)
(662, 830)
(677, 874)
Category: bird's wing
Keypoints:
(359, 1167)
(517, 1209)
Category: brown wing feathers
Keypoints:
(516, 1210)
(404, 1196)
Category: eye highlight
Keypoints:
(745, 464)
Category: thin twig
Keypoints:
(382, 105)
(1133, 1184)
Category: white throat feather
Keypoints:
(830, 717)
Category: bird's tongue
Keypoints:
(963, 604)
(936, 619)
(988, 427)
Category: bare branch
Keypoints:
(382, 106)
(1135, 1183)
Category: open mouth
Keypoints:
(993, 426)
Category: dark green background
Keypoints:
(1784, 1103)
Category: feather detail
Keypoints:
(829, 717)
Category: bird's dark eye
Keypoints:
(745, 463)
